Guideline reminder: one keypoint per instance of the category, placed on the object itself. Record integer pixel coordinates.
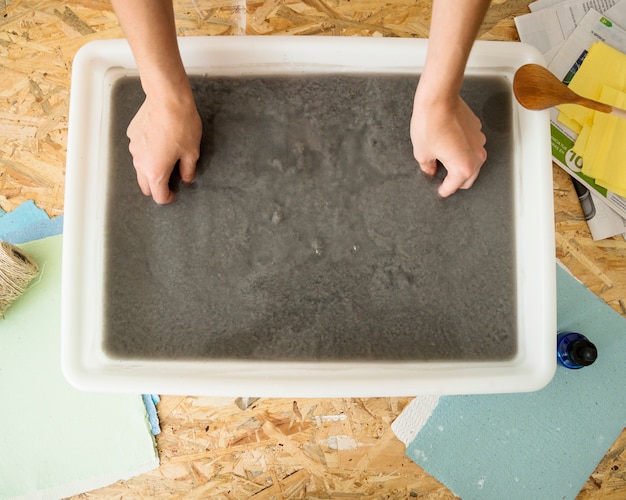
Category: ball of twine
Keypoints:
(17, 270)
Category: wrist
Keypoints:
(164, 79)
(433, 97)
(440, 82)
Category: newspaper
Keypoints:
(605, 212)
(599, 5)
(603, 222)
(592, 28)
(548, 29)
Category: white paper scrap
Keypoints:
(547, 29)
(414, 417)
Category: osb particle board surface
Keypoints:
(211, 445)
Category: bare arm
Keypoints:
(167, 127)
(443, 127)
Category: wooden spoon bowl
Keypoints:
(537, 88)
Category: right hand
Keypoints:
(165, 131)
(447, 130)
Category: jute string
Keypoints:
(17, 270)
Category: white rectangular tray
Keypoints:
(86, 364)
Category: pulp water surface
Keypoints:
(310, 233)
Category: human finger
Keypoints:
(144, 185)
(463, 175)
(187, 167)
(162, 195)
(428, 166)
(160, 190)
(470, 181)
(450, 185)
(458, 179)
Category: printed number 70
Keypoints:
(573, 161)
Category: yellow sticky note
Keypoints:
(581, 140)
(564, 118)
(604, 147)
(601, 137)
(603, 65)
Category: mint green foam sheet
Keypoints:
(541, 445)
(57, 441)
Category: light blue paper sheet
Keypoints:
(35, 231)
(28, 223)
(541, 445)
(24, 215)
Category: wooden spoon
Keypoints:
(537, 88)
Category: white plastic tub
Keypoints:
(88, 366)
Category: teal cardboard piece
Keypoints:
(535, 445)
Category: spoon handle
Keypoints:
(590, 103)
(619, 112)
(599, 106)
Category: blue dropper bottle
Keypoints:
(574, 350)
